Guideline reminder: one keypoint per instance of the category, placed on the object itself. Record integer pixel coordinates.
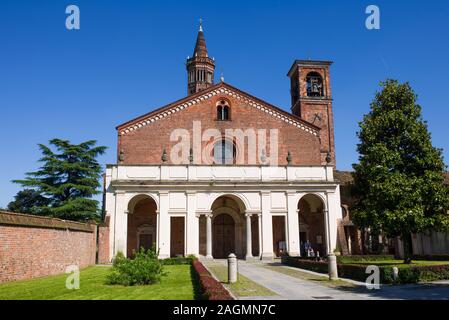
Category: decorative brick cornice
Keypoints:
(220, 89)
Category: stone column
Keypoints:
(192, 223)
(120, 223)
(267, 227)
(209, 236)
(292, 224)
(249, 244)
(326, 230)
(164, 226)
(259, 225)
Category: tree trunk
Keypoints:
(362, 240)
(408, 249)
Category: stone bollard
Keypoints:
(395, 273)
(232, 268)
(332, 264)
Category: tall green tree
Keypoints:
(69, 178)
(28, 201)
(398, 182)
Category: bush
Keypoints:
(363, 258)
(211, 288)
(317, 266)
(178, 260)
(407, 274)
(432, 257)
(145, 268)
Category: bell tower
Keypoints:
(311, 99)
(200, 68)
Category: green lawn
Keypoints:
(244, 287)
(177, 285)
(397, 263)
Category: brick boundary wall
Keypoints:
(35, 246)
(103, 242)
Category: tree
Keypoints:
(68, 178)
(28, 201)
(398, 182)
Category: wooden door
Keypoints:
(223, 236)
(177, 236)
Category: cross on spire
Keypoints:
(201, 25)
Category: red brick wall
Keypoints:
(103, 242)
(145, 145)
(32, 247)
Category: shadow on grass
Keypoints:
(197, 292)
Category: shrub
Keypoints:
(144, 268)
(432, 257)
(407, 274)
(363, 258)
(317, 266)
(178, 260)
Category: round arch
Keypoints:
(142, 223)
(319, 196)
(135, 199)
(312, 225)
(240, 199)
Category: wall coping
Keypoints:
(27, 220)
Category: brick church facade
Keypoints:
(221, 171)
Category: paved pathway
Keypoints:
(291, 288)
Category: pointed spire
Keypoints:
(200, 68)
(200, 47)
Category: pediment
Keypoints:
(219, 89)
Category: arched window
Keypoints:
(223, 110)
(224, 152)
(314, 85)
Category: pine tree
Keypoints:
(28, 201)
(68, 179)
(398, 182)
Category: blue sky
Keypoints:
(128, 58)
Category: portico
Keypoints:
(212, 211)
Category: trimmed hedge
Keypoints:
(363, 258)
(409, 274)
(178, 260)
(317, 266)
(432, 257)
(211, 288)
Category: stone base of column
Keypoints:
(294, 254)
(209, 257)
(267, 256)
(251, 258)
(164, 256)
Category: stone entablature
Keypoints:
(194, 173)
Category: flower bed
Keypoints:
(211, 288)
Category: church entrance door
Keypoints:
(223, 236)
